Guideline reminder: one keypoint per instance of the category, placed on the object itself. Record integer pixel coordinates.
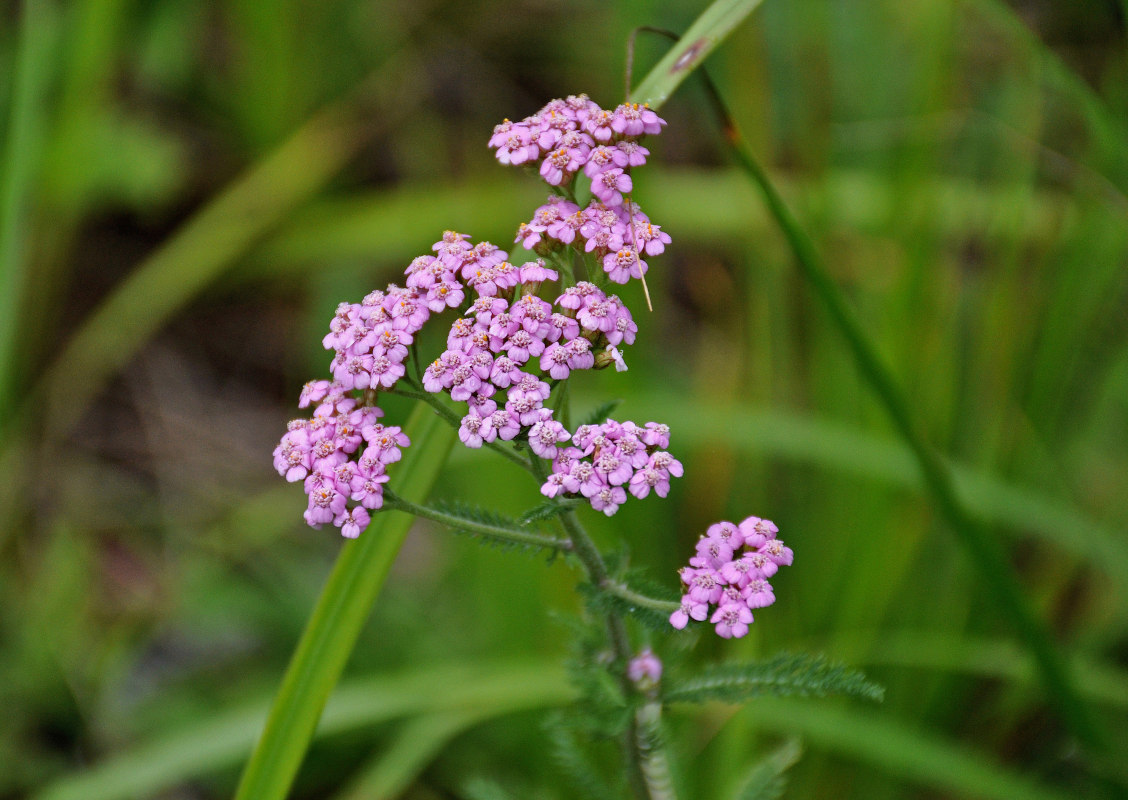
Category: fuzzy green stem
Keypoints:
(655, 763)
(591, 559)
(456, 422)
(392, 500)
(635, 598)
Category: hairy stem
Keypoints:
(635, 598)
(655, 764)
(456, 422)
(595, 567)
(392, 500)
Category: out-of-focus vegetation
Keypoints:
(186, 192)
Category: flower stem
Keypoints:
(456, 422)
(655, 764)
(635, 598)
(591, 559)
(392, 500)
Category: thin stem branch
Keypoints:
(593, 563)
(456, 422)
(392, 500)
(635, 598)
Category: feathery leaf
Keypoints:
(784, 675)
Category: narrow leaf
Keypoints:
(341, 611)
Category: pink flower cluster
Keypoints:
(731, 571)
(616, 235)
(571, 133)
(519, 345)
(320, 451)
(575, 134)
(606, 460)
(370, 342)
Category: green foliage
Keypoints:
(601, 412)
(478, 520)
(187, 190)
(767, 779)
(479, 788)
(642, 607)
(572, 748)
(548, 510)
(782, 676)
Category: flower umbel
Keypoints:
(729, 575)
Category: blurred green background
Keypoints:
(187, 190)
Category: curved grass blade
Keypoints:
(488, 689)
(415, 746)
(985, 549)
(896, 748)
(21, 156)
(707, 31)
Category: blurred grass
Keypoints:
(960, 166)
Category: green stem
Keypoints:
(635, 598)
(596, 569)
(456, 422)
(392, 500)
(655, 764)
(986, 552)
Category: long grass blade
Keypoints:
(702, 37)
(21, 158)
(489, 689)
(341, 611)
(985, 549)
(896, 748)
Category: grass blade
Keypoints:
(985, 549)
(707, 31)
(896, 748)
(481, 689)
(341, 611)
(414, 747)
(21, 156)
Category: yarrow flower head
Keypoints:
(509, 348)
(572, 136)
(728, 576)
(606, 461)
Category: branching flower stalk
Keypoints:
(508, 352)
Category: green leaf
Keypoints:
(896, 747)
(635, 596)
(785, 675)
(222, 740)
(707, 31)
(601, 413)
(575, 763)
(766, 780)
(547, 510)
(341, 611)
